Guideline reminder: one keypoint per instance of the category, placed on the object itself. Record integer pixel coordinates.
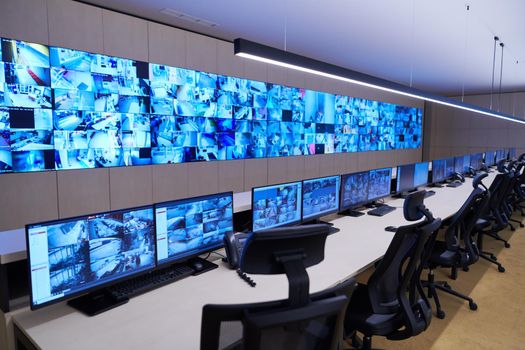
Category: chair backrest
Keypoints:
(391, 287)
(275, 325)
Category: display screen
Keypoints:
(276, 205)
(192, 226)
(379, 183)
(438, 170)
(476, 161)
(71, 256)
(461, 164)
(512, 153)
(354, 190)
(411, 176)
(500, 155)
(320, 197)
(67, 109)
(490, 158)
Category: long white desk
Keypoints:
(170, 317)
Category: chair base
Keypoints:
(492, 259)
(497, 237)
(360, 344)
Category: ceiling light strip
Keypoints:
(250, 50)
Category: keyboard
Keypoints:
(382, 210)
(430, 193)
(153, 280)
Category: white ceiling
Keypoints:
(439, 42)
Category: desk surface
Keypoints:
(170, 317)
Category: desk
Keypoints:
(170, 317)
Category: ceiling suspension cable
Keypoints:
(500, 76)
(493, 70)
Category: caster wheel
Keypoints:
(446, 285)
(507, 245)
(440, 314)
(493, 257)
(473, 306)
(501, 269)
(466, 269)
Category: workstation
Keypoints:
(145, 180)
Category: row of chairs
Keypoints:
(393, 302)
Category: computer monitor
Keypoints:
(411, 176)
(379, 183)
(462, 164)
(512, 154)
(70, 257)
(449, 168)
(188, 227)
(276, 205)
(354, 190)
(490, 158)
(500, 155)
(438, 170)
(320, 197)
(476, 161)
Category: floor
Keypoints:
(499, 321)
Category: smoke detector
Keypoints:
(189, 18)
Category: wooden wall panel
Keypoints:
(255, 173)
(24, 20)
(130, 186)
(125, 36)
(201, 52)
(167, 45)
(203, 178)
(170, 182)
(231, 175)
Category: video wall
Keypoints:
(68, 109)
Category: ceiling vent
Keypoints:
(189, 18)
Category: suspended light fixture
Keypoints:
(262, 53)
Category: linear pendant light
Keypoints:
(252, 50)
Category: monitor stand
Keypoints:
(404, 194)
(200, 265)
(317, 221)
(352, 212)
(437, 184)
(97, 302)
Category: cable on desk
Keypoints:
(219, 254)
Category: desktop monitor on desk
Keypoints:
(320, 197)
(476, 161)
(511, 154)
(490, 158)
(379, 183)
(71, 257)
(500, 155)
(442, 169)
(276, 205)
(462, 164)
(354, 191)
(192, 226)
(411, 176)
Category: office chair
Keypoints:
(459, 249)
(392, 304)
(302, 321)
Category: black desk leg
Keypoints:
(4, 289)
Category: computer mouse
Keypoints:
(391, 228)
(197, 265)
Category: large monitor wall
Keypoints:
(68, 109)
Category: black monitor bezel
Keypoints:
(292, 223)
(390, 182)
(179, 259)
(411, 188)
(342, 208)
(97, 287)
(319, 215)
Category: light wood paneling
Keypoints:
(231, 175)
(27, 198)
(227, 62)
(203, 178)
(295, 168)
(125, 36)
(24, 20)
(255, 70)
(167, 45)
(326, 164)
(277, 170)
(255, 173)
(82, 192)
(130, 186)
(170, 182)
(75, 25)
(201, 52)
(311, 167)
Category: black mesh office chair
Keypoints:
(459, 249)
(392, 303)
(302, 321)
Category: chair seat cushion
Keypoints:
(442, 256)
(481, 224)
(361, 317)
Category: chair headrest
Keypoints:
(501, 166)
(521, 157)
(412, 208)
(478, 179)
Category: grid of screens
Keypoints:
(70, 256)
(67, 109)
(442, 169)
(360, 188)
(411, 176)
(190, 226)
(320, 197)
(276, 205)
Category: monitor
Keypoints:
(70, 257)
(476, 161)
(461, 164)
(320, 197)
(490, 158)
(512, 154)
(500, 155)
(354, 190)
(411, 176)
(438, 170)
(449, 168)
(276, 205)
(192, 226)
(379, 183)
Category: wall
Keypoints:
(450, 132)
(512, 103)
(33, 197)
